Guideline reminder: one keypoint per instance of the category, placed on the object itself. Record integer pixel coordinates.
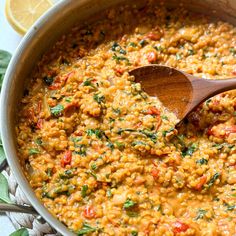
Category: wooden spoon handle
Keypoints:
(204, 89)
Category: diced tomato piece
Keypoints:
(234, 72)
(66, 159)
(119, 70)
(230, 129)
(179, 227)
(54, 86)
(154, 36)
(89, 212)
(202, 181)
(153, 111)
(152, 57)
(68, 76)
(155, 173)
(209, 131)
(40, 123)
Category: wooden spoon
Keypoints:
(178, 91)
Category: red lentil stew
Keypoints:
(104, 157)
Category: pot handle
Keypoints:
(4, 207)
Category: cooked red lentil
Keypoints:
(104, 157)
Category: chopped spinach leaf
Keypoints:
(143, 42)
(213, 179)
(97, 132)
(132, 44)
(84, 190)
(119, 145)
(98, 98)
(119, 58)
(191, 52)
(134, 233)
(57, 110)
(200, 214)
(48, 80)
(178, 56)
(202, 161)
(109, 193)
(165, 132)
(110, 145)
(86, 229)
(158, 48)
(189, 150)
(233, 51)
(88, 82)
(33, 151)
(94, 166)
(129, 204)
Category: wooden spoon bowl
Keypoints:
(178, 91)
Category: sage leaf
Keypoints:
(4, 194)
(5, 58)
(20, 232)
(2, 155)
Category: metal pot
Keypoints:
(38, 40)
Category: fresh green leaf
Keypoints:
(2, 155)
(5, 58)
(20, 232)
(129, 204)
(98, 98)
(200, 214)
(84, 190)
(4, 194)
(57, 110)
(86, 229)
(33, 151)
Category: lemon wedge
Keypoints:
(22, 14)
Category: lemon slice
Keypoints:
(21, 14)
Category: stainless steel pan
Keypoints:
(38, 40)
